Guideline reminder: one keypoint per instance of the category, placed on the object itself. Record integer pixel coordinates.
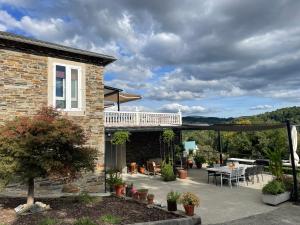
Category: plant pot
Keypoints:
(132, 167)
(135, 196)
(143, 195)
(172, 206)
(150, 199)
(189, 210)
(119, 190)
(276, 199)
(199, 165)
(142, 170)
(182, 174)
(129, 191)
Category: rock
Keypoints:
(33, 208)
(22, 209)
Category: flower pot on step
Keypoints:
(143, 194)
(150, 199)
(189, 210)
(119, 190)
(172, 206)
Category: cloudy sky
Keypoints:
(211, 58)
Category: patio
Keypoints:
(218, 205)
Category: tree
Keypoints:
(45, 145)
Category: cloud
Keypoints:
(221, 48)
(262, 107)
(185, 109)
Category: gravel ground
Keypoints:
(287, 214)
(66, 210)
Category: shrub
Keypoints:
(167, 172)
(199, 159)
(84, 221)
(173, 196)
(189, 198)
(288, 183)
(47, 221)
(110, 219)
(274, 187)
(85, 198)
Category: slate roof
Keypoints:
(21, 43)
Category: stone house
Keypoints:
(35, 73)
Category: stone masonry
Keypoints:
(24, 90)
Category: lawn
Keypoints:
(82, 210)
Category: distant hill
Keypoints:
(206, 120)
(279, 115)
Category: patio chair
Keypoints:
(152, 168)
(249, 174)
(259, 171)
(213, 174)
(230, 177)
(241, 174)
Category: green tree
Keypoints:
(45, 145)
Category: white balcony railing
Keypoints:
(141, 119)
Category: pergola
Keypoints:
(248, 128)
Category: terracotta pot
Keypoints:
(189, 210)
(199, 165)
(119, 190)
(142, 170)
(150, 199)
(143, 195)
(135, 196)
(133, 167)
(172, 206)
(182, 174)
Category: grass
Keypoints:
(111, 219)
(47, 221)
(84, 221)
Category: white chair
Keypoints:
(241, 174)
(232, 176)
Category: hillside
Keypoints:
(279, 115)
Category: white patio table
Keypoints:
(225, 170)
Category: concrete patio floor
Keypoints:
(218, 205)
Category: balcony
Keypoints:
(141, 119)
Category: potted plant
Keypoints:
(167, 172)
(142, 169)
(113, 175)
(119, 186)
(190, 159)
(199, 160)
(172, 199)
(182, 173)
(275, 192)
(129, 189)
(189, 202)
(150, 198)
(142, 194)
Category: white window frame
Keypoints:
(68, 86)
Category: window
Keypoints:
(67, 87)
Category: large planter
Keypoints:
(276, 199)
(182, 174)
(119, 190)
(172, 206)
(189, 210)
(199, 165)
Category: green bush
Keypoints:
(167, 172)
(110, 219)
(84, 221)
(46, 221)
(274, 187)
(199, 159)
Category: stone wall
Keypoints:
(24, 90)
